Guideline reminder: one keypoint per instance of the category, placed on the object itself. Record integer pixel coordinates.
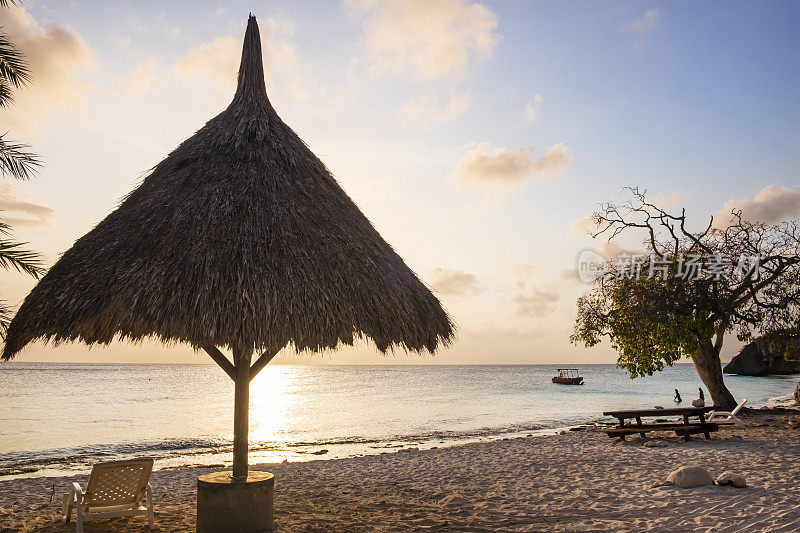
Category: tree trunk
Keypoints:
(709, 368)
(241, 408)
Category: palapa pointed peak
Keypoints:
(251, 69)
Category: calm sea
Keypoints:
(60, 418)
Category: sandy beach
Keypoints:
(579, 481)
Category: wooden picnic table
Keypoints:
(685, 428)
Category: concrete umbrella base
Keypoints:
(227, 505)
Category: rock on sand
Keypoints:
(689, 476)
(732, 478)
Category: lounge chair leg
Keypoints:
(66, 508)
(151, 520)
(78, 513)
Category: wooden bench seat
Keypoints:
(679, 428)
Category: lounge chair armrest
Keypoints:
(72, 499)
(78, 491)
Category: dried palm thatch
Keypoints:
(240, 238)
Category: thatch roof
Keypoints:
(240, 238)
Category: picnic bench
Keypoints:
(684, 427)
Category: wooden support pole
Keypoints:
(221, 360)
(261, 362)
(241, 408)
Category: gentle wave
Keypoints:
(73, 457)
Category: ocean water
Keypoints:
(59, 418)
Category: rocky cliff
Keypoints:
(756, 360)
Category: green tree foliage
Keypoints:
(683, 291)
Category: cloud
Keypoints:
(423, 111)
(121, 41)
(772, 204)
(529, 298)
(584, 225)
(456, 282)
(425, 40)
(502, 333)
(537, 302)
(521, 274)
(489, 165)
(219, 58)
(18, 212)
(141, 80)
(665, 200)
(57, 57)
(645, 24)
(531, 111)
(612, 250)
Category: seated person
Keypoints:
(701, 401)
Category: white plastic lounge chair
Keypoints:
(726, 417)
(115, 488)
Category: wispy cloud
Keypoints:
(529, 297)
(536, 302)
(427, 113)
(531, 111)
(217, 59)
(140, 81)
(19, 212)
(428, 40)
(121, 41)
(666, 200)
(584, 226)
(645, 24)
(490, 165)
(456, 282)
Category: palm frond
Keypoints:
(13, 256)
(6, 94)
(6, 314)
(16, 161)
(13, 66)
(6, 3)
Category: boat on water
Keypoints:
(568, 376)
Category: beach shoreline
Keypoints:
(576, 481)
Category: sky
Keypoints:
(476, 136)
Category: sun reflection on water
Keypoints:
(275, 396)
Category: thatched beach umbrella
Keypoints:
(240, 239)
